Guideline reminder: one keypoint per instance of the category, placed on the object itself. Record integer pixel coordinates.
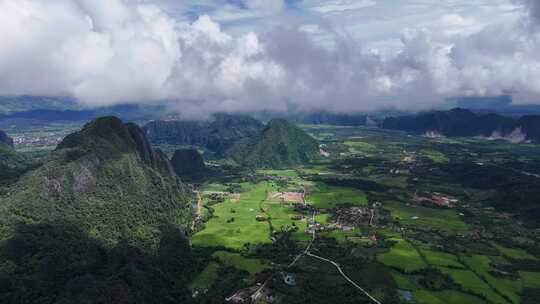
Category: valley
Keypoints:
(413, 251)
(377, 216)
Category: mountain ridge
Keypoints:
(280, 144)
(460, 122)
(217, 134)
(107, 170)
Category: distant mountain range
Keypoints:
(319, 117)
(280, 144)
(502, 104)
(465, 123)
(15, 104)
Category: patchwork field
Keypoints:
(420, 252)
(402, 256)
(469, 281)
(326, 197)
(530, 279)
(445, 297)
(234, 223)
(514, 253)
(415, 215)
(437, 258)
(252, 266)
(509, 288)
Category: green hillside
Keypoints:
(99, 222)
(280, 144)
(108, 180)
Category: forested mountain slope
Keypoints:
(280, 144)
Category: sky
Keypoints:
(250, 55)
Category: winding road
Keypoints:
(307, 252)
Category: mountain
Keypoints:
(5, 139)
(44, 116)
(217, 134)
(188, 163)
(464, 123)
(14, 104)
(318, 117)
(280, 144)
(502, 104)
(107, 179)
(100, 221)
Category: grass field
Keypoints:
(221, 230)
(471, 282)
(516, 254)
(530, 279)
(437, 258)
(234, 223)
(329, 196)
(360, 146)
(414, 215)
(508, 287)
(389, 181)
(285, 173)
(214, 187)
(402, 256)
(206, 278)
(445, 297)
(404, 282)
(436, 156)
(253, 266)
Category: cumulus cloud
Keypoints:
(114, 51)
(98, 51)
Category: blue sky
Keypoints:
(363, 19)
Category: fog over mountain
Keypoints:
(106, 52)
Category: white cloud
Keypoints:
(113, 51)
(99, 51)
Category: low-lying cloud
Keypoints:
(105, 52)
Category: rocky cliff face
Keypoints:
(217, 134)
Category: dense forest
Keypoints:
(279, 145)
(101, 218)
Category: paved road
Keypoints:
(344, 276)
(308, 253)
